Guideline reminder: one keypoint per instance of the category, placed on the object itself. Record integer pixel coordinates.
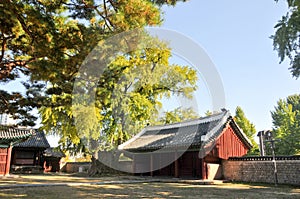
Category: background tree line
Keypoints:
(286, 127)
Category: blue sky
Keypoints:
(235, 34)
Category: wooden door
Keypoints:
(3, 159)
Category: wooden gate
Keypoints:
(3, 161)
(190, 165)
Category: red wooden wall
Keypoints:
(229, 145)
(5, 155)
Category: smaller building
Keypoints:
(28, 155)
(52, 160)
(8, 137)
(192, 148)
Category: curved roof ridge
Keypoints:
(201, 120)
(11, 134)
(38, 140)
(209, 125)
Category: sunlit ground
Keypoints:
(53, 178)
(140, 190)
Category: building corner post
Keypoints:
(8, 159)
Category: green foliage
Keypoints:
(36, 41)
(286, 121)
(177, 115)
(248, 128)
(130, 91)
(167, 2)
(286, 39)
(208, 113)
(48, 41)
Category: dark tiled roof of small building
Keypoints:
(51, 152)
(10, 135)
(191, 133)
(38, 140)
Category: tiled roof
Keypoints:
(36, 141)
(9, 134)
(50, 152)
(185, 134)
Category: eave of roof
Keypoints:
(213, 124)
(50, 152)
(36, 141)
(10, 134)
(241, 134)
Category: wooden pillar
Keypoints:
(8, 159)
(39, 158)
(194, 165)
(204, 173)
(176, 165)
(151, 164)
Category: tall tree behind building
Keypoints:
(248, 128)
(286, 121)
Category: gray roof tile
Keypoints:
(185, 134)
(38, 140)
(10, 134)
(51, 152)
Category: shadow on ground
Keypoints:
(140, 189)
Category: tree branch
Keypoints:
(105, 18)
(3, 49)
(7, 67)
(113, 5)
(23, 24)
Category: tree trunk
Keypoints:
(99, 168)
(96, 167)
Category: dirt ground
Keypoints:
(66, 186)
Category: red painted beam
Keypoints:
(8, 159)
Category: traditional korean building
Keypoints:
(8, 137)
(28, 155)
(52, 160)
(192, 148)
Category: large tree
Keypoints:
(47, 41)
(248, 128)
(128, 95)
(286, 121)
(286, 40)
